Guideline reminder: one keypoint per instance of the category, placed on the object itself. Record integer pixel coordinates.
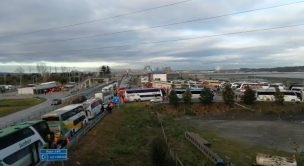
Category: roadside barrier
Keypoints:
(203, 146)
(171, 152)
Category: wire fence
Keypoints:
(173, 154)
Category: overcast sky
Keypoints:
(280, 47)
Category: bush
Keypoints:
(249, 96)
(206, 96)
(278, 96)
(173, 99)
(187, 97)
(228, 96)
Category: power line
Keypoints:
(166, 25)
(173, 40)
(100, 19)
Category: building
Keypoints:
(161, 85)
(159, 77)
(144, 79)
(39, 89)
(26, 91)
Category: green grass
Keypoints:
(238, 153)
(9, 106)
(124, 138)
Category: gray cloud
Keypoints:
(242, 50)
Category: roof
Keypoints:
(62, 110)
(17, 127)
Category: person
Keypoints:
(109, 108)
(102, 108)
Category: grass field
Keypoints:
(124, 138)
(9, 106)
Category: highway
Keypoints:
(35, 112)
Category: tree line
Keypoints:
(229, 96)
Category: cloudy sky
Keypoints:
(35, 31)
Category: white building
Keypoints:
(144, 79)
(26, 91)
(159, 77)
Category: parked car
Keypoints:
(156, 100)
(56, 102)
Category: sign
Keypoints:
(53, 154)
(116, 100)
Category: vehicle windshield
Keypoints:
(153, 82)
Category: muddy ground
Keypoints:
(274, 134)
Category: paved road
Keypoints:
(35, 112)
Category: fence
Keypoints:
(171, 152)
(204, 146)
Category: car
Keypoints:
(156, 100)
(56, 102)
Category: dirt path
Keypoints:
(278, 135)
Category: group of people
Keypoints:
(109, 107)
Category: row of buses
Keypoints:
(266, 91)
(155, 94)
(20, 144)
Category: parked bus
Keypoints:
(143, 94)
(277, 85)
(253, 86)
(195, 93)
(66, 121)
(268, 95)
(235, 85)
(92, 108)
(299, 92)
(20, 144)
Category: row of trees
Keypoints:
(229, 96)
(206, 97)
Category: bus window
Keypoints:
(15, 137)
(43, 130)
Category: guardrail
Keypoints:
(200, 144)
(171, 152)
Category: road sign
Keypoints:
(53, 154)
(116, 100)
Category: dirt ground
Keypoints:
(277, 135)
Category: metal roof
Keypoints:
(17, 127)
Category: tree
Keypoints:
(20, 72)
(102, 70)
(173, 99)
(187, 96)
(206, 96)
(228, 96)
(42, 69)
(249, 96)
(108, 70)
(278, 96)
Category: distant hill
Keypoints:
(276, 69)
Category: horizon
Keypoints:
(193, 35)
